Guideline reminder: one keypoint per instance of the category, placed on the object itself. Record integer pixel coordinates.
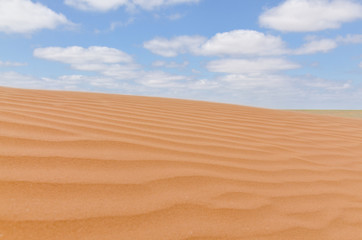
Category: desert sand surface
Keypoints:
(109, 167)
(338, 113)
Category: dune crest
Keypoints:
(100, 166)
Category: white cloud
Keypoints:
(143, 83)
(78, 81)
(78, 55)
(11, 64)
(204, 84)
(360, 65)
(174, 46)
(96, 5)
(110, 62)
(255, 80)
(64, 82)
(310, 15)
(123, 72)
(175, 16)
(159, 63)
(255, 89)
(14, 79)
(261, 65)
(350, 38)
(25, 16)
(107, 5)
(302, 86)
(115, 25)
(152, 4)
(161, 79)
(258, 73)
(170, 64)
(314, 46)
(243, 42)
(324, 84)
(234, 43)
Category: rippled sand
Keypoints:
(110, 167)
(338, 113)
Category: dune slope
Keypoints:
(96, 166)
(337, 113)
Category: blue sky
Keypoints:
(266, 53)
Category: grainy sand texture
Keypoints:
(86, 166)
(338, 113)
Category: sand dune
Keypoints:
(103, 167)
(339, 113)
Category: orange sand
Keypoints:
(112, 167)
(337, 113)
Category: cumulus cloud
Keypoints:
(175, 16)
(255, 80)
(261, 65)
(123, 72)
(78, 55)
(25, 16)
(321, 83)
(170, 64)
(161, 79)
(152, 4)
(243, 42)
(107, 5)
(350, 38)
(325, 45)
(310, 15)
(301, 86)
(110, 63)
(77, 82)
(11, 64)
(204, 84)
(64, 82)
(14, 79)
(96, 5)
(117, 24)
(174, 46)
(234, 43)
(252, 73)
(315, 46)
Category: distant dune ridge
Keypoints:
(338, 113)
(109, 167)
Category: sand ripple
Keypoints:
(97, 166)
